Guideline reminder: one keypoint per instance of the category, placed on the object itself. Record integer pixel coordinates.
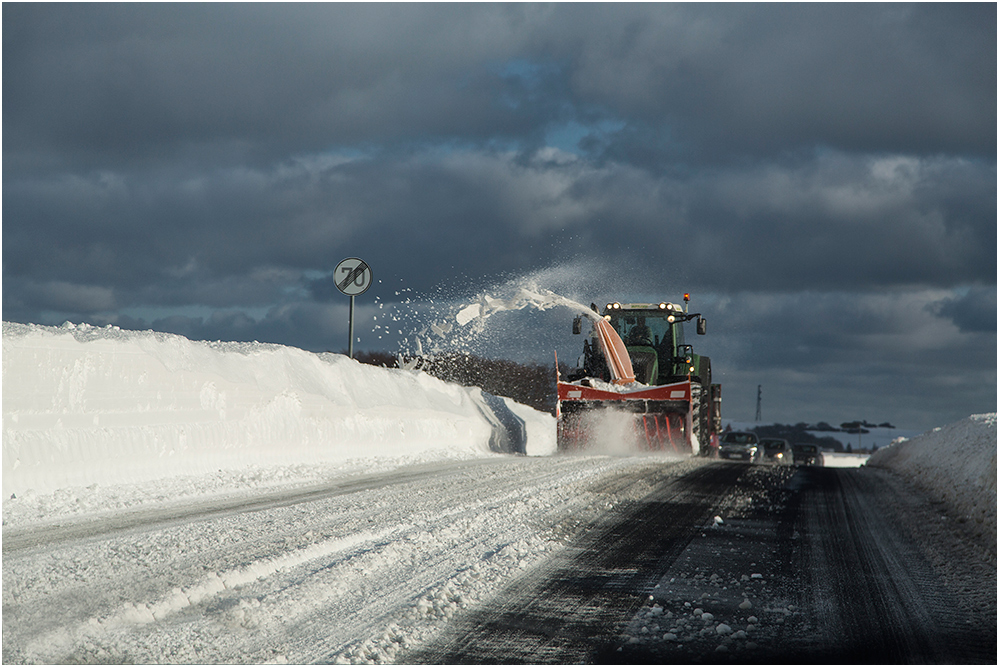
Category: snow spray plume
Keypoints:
(448, 325)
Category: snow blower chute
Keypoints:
(636, 364)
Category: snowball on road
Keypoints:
(100, 422)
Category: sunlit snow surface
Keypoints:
(97, 418)
(105, 421)
(88, 406)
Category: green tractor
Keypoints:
(675, 404)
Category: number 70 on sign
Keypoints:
(352, 276)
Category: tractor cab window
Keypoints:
(641, 329)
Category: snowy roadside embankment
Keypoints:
(955, 463)
(87, 406)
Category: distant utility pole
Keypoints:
(759, 402)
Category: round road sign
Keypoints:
(352, 276)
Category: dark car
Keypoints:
(739, 446)
(808, 455)
(776, 450)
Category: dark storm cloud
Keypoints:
(845, 221)
(310, 326)
(868, 354)
(973, 312)
(834, 222)
(108, 83)
(200, 168)
(726, 81)
(100, 85)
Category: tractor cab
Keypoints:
(636, 362)
(653, 335)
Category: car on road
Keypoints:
(739, 446)
(808, 455)
(776, 450)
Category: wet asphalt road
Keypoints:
(800, 565)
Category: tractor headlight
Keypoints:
(662, 306)
(671, 319)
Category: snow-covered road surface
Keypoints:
(545, 560)
(355, 572)
(799, 565)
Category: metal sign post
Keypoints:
(352, 276)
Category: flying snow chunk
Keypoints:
(468, 313)
(441, 329)
(407, 365)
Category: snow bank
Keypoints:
(956, 463)
(85, 405)
(841, 460)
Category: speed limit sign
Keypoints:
(352, 276)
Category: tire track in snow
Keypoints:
(393, 563)
(569, 610)
(19, 539)
(138, 613)
(877, 597)
(492, 546)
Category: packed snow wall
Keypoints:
(85, 405)
(955, 463)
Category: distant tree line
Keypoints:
(530, 384)
(850, 427)
(534, 385)
(799, 434)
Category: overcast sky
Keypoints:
(822, 179)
